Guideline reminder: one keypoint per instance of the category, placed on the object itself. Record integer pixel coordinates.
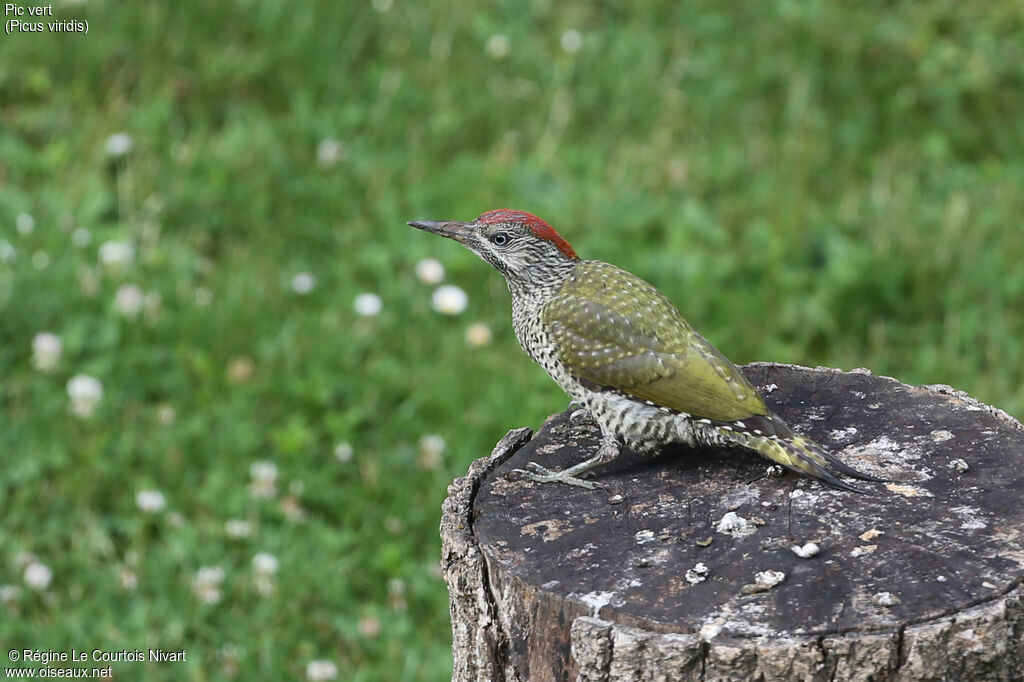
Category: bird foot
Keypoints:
(536, 472)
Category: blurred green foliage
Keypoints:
(811, 182)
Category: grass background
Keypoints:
(812, 182)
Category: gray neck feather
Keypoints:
(540, 281)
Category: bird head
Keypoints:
(520, 245)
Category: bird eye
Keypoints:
(499, 239)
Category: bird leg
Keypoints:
(608, 451)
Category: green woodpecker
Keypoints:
(622, 351)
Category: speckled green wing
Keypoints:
(616, 330)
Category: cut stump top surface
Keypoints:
(939, 538)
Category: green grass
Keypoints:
(811, 182)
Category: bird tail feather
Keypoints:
(805, 456)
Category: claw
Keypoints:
(581, 416)
(578, 413)
(544, 475)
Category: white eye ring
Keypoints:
(499, 239)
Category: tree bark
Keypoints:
(683, 567)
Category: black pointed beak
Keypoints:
(452, 229)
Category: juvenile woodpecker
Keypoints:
(621, 350)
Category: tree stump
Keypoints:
(656, 576)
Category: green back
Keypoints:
(616, 330)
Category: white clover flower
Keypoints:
(264, 584)
(497, 46)
(571, 41)
(237, 528)
(25, 223)
(38, 576)
(318, 671)
(150, 501)
(23, 559)
(264, 480)
(46, 351)
(9, 593)
(449, 299)
(129, 300)
(396, 586)
(210, 574)
(229, 655)
(207, 582)
(127, 578)
(7, 252)
(369, 626)
(382, 6)
(396, 594)
(329, 152)
(292, 509)
(166, 414)
(478, 335)
(343, 452)
(88, 282)
(431, 449)
(263, 471)
(81, 237)
(85, 393)
(119, 144)
(368, 305)
(241, 369)
(116, 253)
(430, 271)
(203, 296)
(265, 562)
(40, 260)
(303, 282)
